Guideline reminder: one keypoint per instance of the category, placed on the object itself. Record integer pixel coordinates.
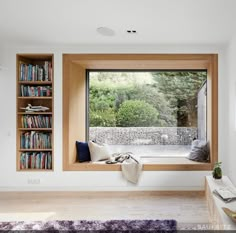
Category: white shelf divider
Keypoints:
(219, 219)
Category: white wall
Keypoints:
(59, 180)
(231, 113)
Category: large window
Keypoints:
(178, 91)
(149, 113)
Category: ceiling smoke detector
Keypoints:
(105, 31)
(131, 31)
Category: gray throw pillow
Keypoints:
(200, 152)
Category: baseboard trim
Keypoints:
(99, 188)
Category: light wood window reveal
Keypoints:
(74, 102)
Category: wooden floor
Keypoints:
(185, 207)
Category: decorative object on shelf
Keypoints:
(230, 213)
(217, 171)
(226, 194)
(31, 108)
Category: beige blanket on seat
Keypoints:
(131, 169)
(131, 166)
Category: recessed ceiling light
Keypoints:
(105, 31)
(131, 31)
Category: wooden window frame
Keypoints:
(74, 102)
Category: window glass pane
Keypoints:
(151, 113)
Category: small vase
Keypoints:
(217, 173)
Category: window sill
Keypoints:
(150, 164)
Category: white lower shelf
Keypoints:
(220, 220)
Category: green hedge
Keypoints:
(102, 118)
(136, 113)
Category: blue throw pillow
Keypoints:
(83, 154)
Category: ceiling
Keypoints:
(74, 22)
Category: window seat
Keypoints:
(149, 164)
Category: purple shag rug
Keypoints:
(115, 226)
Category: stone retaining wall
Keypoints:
(143, 135)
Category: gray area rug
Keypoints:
(116, 226)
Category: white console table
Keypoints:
(219, 220)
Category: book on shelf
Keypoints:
(46, 68)
(36, 160)
(35, 91)
(29, 72)
(35, 140)
(226, 194)
(38, 121)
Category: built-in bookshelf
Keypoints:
(35, 113)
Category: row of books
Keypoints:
(35, 140)
(29, 72)
(38, 121)
(35, 90)
(36, 160)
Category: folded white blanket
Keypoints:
(131, 169)
(131, 166)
